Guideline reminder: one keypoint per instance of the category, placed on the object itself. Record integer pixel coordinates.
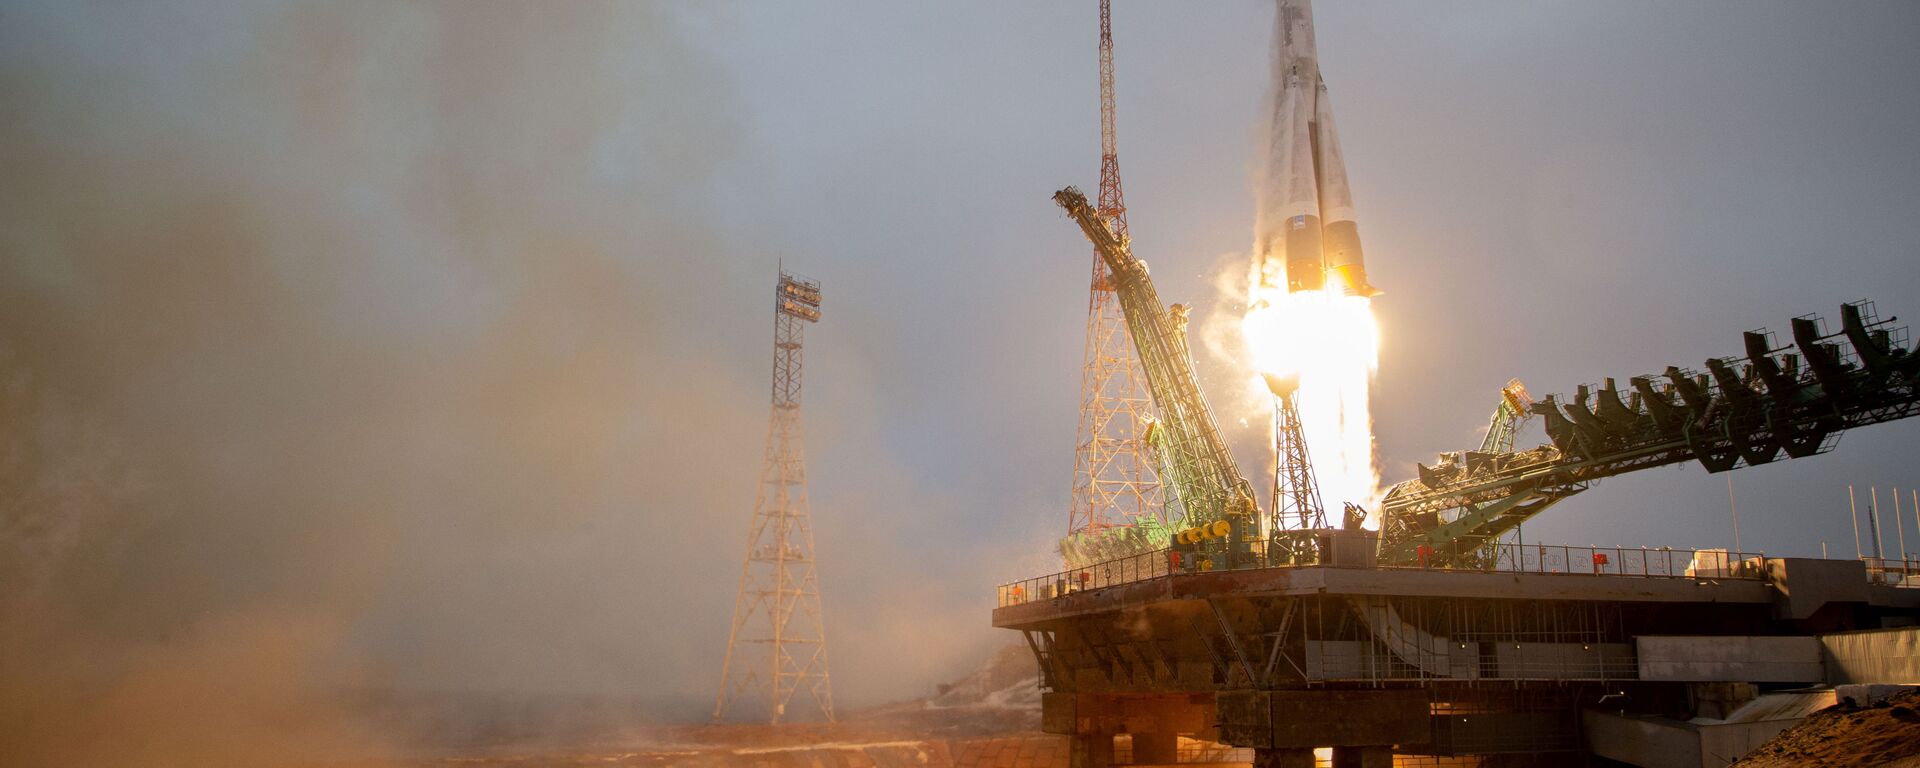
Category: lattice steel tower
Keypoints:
(777, 644)
(1296, 493)
(1113, 479)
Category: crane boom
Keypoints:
(1205, 479)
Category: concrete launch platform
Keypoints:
(1500, 664)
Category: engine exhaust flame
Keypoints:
(1329, 339)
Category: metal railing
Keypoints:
(1661, 562)
(1657, 562)
(1893, 573)
(1125, 570)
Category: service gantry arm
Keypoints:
(1467, 527)
(1197, 463)
(1775, 402)
(1514, 409)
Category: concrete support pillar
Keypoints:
(1282, 757)
(1162, 748)
(1362, 757)
(1090, 750)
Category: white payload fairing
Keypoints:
(1305, 219)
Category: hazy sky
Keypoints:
(445, 327)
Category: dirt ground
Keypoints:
(772, 748)
(1887, 735)
(987, 719)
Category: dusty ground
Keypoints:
(1016, 751)
(1884, 735)
(988, 719)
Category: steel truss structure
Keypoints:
(1196, 460)
(1775, 402)
(776, 646)
(1115, 482)
(1296, 494)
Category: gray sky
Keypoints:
(444, 326)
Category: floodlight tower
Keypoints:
(1113, 478)
(777, 643)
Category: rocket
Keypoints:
(1306, 208)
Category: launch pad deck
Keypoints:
(1435, 661)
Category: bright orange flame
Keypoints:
(1331, 341)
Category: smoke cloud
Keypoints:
(363, 348)
(422, 348)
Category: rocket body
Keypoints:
(1306, 234)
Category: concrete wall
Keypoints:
(1642, 742)
(1802, 586)
(1873, 656)
(1739, 659)
(1322, 718)
(1562, 661)
(1340, 660)
(1362, 660)
(1661, 743)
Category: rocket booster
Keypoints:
(1306, 208)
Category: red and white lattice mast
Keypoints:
(1114, 479)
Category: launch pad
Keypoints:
(1437, 639)
(1499, 663)
(1434, 638)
